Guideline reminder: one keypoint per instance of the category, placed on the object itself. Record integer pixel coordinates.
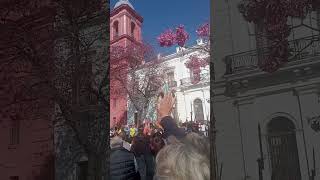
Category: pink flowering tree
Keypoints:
(194, 64)
(135, 73)
(180, 37)
(273, 15)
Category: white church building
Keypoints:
(192, 99)
(264, 117)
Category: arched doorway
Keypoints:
(198, 110)
(283, 150)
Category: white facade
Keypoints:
(246, 97)
(179, 79)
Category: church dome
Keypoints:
(121, 2)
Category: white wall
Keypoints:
(186, 94)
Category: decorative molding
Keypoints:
(269, 117)
(297, 72)
(129, 9)
(314, 123)
(304, 90)
(235, 87)
(244, 100)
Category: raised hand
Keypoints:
(165, 105)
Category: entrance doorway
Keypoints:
(283, 151)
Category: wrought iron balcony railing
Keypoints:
(205, 77)
(299, 49)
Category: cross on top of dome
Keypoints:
(121, 2)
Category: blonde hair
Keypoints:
(182, 161)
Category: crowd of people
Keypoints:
(160, 151)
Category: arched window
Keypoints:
(133, 26)
(283, 149)
(198, 110)
(116, 29)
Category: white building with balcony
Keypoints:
(280, 103)
(193, 99)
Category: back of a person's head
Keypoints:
(122, 135)
(138, 145)
(181, 161)
(156, 143)
(201, 143)
(116, 142)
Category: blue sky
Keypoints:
(160, 15)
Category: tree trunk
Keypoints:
(94, 167)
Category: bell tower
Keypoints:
(125, 27)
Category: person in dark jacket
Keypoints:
(166, 122)
(170, 128)
(123, 165)
(156, 143)
(140, 148)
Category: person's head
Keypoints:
(116, 142)
(201, 143)
(172, 140)
(122, 135)
(156, 143)
(183, 161)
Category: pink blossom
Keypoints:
(117, 53)
(203, 31)
(274, 15)
(194, 64)
(181, 36)
(167, 38)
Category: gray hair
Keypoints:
(116, 142)
(201, 143)
(182, 161)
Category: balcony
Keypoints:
(205, 77)
(300, 49)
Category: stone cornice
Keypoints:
(307, 89)
(129, 15)
(244, 100)
(129, 9)
(123, 36)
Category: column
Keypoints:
(248, 127)
(308, 106)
